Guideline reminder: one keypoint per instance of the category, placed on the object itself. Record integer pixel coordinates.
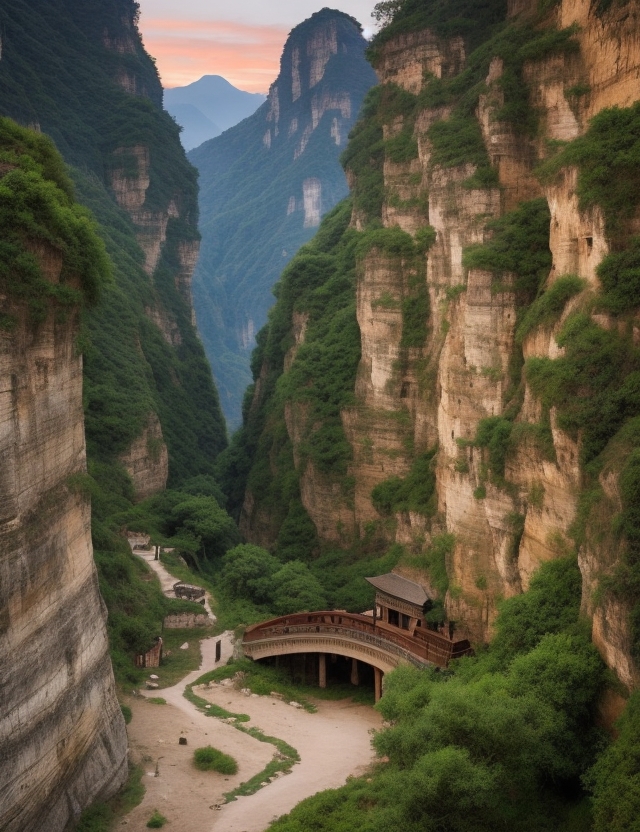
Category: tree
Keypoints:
(296, 589)
(247, 572)
(203, 518)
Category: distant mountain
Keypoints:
(209, 106)
(264, 185)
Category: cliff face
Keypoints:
(61, 729)
(510, 269)
(145, 364)
(265, 184)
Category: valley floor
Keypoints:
(333, 743)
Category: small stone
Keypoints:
(153, 676)
(295, 704)
(152, 685)
(207, 707)
(257, 696)
(276, 695)
(184, 646)
(182, 741)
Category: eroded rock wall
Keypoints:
(62, 734)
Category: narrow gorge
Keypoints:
(485, 219)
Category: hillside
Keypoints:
(98, 346)
(451, 363)
(264, 185)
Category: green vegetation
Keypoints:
(519, 246)
(416, 492)
(364, 157)
(435, 561)
(40, 222)
(501, 738)
(594, 384)
(619, 274)
(494, 434)
(103, 817)
(210, 759)
(156, 700)
(608, 160)
(614, 778)
(549, 306)
(156, 821)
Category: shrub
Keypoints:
(413, 493)
(619, 274)
(608, 160)
(519, 245)
(547, 308)
(210, 759)
(156, 821)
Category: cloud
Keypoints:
(247, 55)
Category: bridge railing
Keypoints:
(421, 647)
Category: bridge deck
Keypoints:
(421, 648)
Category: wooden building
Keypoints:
(399, 602)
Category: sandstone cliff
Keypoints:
(509, 277)
(265, 184)
(61, 730)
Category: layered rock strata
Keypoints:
(62, 734)
(408, 400)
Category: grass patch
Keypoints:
(211, 759)
(286, 755)
(156, 700)
(102, 817)
(156, 821)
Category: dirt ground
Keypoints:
(333, 743)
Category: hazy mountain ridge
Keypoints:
(265, 184)
(208, 107)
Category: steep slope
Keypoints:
(265, 184)
(208, 107)
(489, 426)
(78, 72)
(61, 730)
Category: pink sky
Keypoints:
(241, 40)
(247, 56)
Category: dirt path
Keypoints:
(166, 579)
(333, 743)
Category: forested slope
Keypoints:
(77, 71)
(265, 184)
(482, 429)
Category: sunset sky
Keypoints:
(241, 40)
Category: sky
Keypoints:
(241, 40)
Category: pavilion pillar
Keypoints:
(377, 679)
(322, 670)
(355, 678)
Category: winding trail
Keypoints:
(333, 743)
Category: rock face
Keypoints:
(61, 729)
(467, 370)
(265, 184)
(147, 461)
(131, 170)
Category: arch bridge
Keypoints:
(359, 637)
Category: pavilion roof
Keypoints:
(400, 588)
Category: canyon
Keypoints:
(464, 372)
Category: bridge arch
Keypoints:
(360, 637)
